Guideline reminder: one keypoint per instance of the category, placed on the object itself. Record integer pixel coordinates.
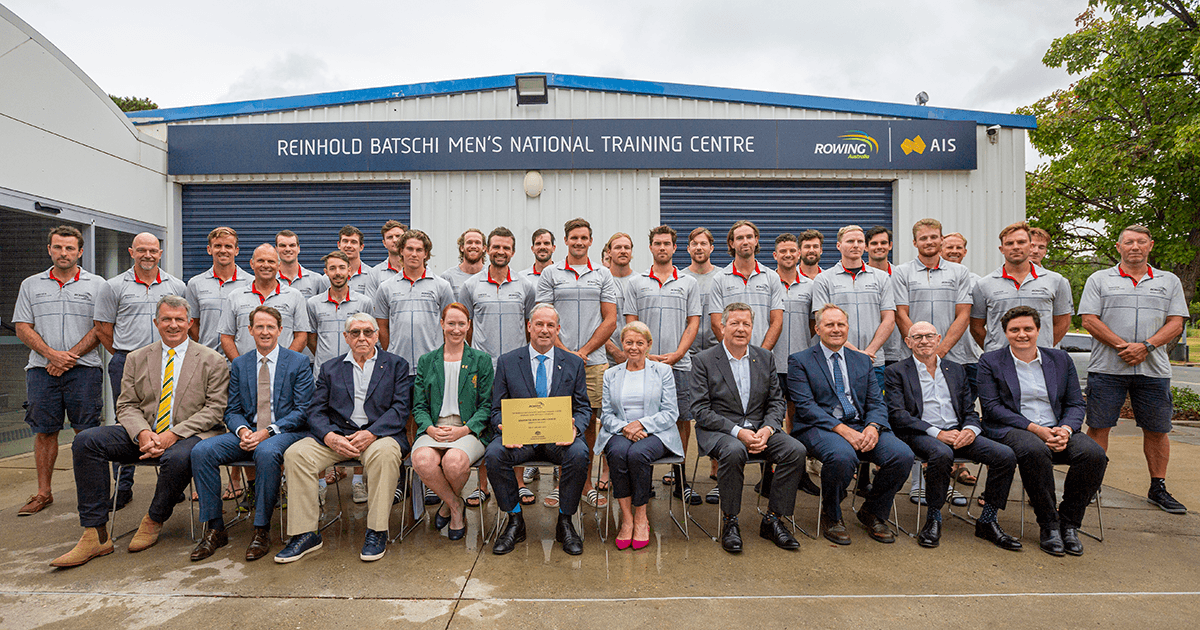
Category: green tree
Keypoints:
(1123, 141)
(133, 103)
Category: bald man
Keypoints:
(264, 291)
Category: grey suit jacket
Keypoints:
(200, 393)
(716, 405)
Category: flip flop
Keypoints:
(669, 478)
(595, 499)
(604, 485)
(527, 497)
(477, 497)
(231, 494)
(551, 500)
(965, 477)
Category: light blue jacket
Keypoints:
(660, 406)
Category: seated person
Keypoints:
(637, 427)
(932, 408)
(359, 411)
(841, 419)
(739, 410)
(539, 370)
(1032, 402)
(157, 421)
(452, 421)
(269, 393)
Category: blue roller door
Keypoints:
(775, 207)
(314, 211)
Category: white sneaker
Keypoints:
(360, 492)
(531, 473)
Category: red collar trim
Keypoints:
(329, 297)
(1149, 274)
(391, 268)
(857, 271)
(61, 284)
(933, 268)
(787, 286)
(404, 274)
(222, 282)
(261, 299)
(734, 270)
(1004, 274)
(567, 267)
(674, 275)
(359, 272)
(801, 272)
(507, 277)
(157, 277)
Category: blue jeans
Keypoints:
(212, 453)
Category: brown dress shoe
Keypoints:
(209, 544)
(146, 536)
(87, 548)
(36, 503)
(876, 528)
(834, 530)
(260, 545)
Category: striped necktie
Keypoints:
(164, 401)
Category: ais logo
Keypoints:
(917, 145)
(856, 145)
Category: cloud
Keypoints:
(294, 73)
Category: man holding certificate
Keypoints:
(541, 392)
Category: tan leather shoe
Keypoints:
(146, 536)
(87, 548)
(37, 503)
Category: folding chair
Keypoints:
(537, 463)
(408, 483)
(338, 488)
(953, 485)
(672, 460)
(1099, 516)
(112, 515)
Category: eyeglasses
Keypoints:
(360, 332)
(929, 336)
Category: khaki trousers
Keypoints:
(305, 460)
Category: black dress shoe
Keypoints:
(992, 533)
(514, 532)
(931, 534)
(211, 541)
(260, 545)
(1070, 541)
(565, 534)
(807, 485)
(440, 521)
(876, 527)
(774, 530)
(834, 530)
(731, 535)
(1051, 541)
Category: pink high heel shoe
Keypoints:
(640, 544)
(623, 543)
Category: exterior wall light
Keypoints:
(531, 90)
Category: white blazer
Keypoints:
(659, 404)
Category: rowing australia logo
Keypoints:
(855, 145)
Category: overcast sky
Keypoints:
(967, 54)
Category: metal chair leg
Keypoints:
(695, 473)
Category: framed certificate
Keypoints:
(537, 420)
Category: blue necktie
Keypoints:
(541, 383)
(839, 384)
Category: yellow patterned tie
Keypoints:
(164, 401)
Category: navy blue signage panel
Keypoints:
(481, 145)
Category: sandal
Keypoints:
(595, 499)
(477, 497)
(965, 477)
(335, 475)
(551, 500)
(669, 478)
(231, 494)
(527, 497)
(604, 485)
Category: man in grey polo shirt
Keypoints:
(670, 305)
(966, 352)
(864, 292)
(206, 291)
(1133, 310)
(1018, 282)
(291, 272)
(879, 248)
(543, 255)
(266, 290)
(585, 297)
(700, 249)
(619, 252)
(409, 305)
(328, 311)
(746, 281)
(932, 289)
(470, 259)
(351, 243)
(391, 231)
(125, 310)
(53, 317)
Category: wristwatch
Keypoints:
(1149, 346)
(272, 431)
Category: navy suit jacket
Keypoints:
(811, 386)
(292, 390)
(1000, 391)
(906, 402)
(514, 379)
(388, 403)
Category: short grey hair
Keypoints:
(544, 306)
(829, 307)
(173, 301)
(736, 306)
(362, 317)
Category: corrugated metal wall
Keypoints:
(977, 203)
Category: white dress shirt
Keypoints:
(533, 366)
(177, 370)
(362, 381)
(741, 378)
(937, 407)
(1035, 398)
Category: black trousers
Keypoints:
(631, 466)
(784, 451)
(92, 451)
(573, 459)
(1087, 463)
(1000, 460)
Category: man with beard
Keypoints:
(291, 273)
(811, 242)
(700, 249)
(879, 248)
(620, 253)
(351, 243)
(328, 311)
(470, 259)
(543, 255)
(386, 270)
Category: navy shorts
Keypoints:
(76, 393)
(1150, 398)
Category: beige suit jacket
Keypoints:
(201, 391)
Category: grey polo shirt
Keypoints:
(530, 276)
(577, 294)
(931, 294)
(413, 309)
(705, 338)
(966, 351)
(379, 274)
(498, 312)
(206, 295)
(360, 280)
(762, 291)
(288, 301)
(128, 305)
(663, 305)
(328, 319)
(60, 312)
(864, 296)
(797, 311)
(456, 277)
(307, 282)
(1047, 292)
(624, 307)
(1134, 310)
(893, 349)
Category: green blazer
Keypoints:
(474, 391)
